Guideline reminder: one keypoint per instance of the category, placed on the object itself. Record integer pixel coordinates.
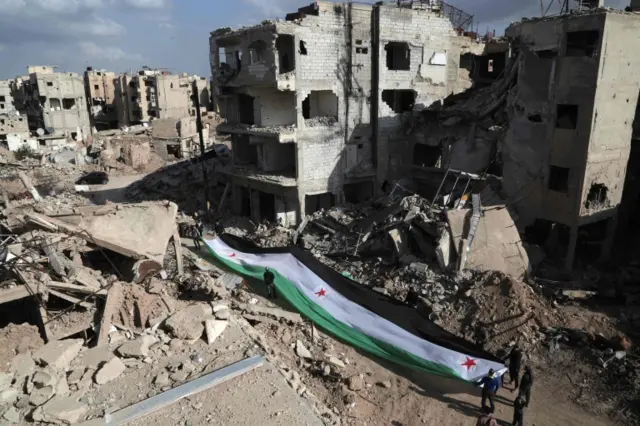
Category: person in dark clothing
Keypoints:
(490, 385)
(487, 418)
(268, 280)
(526, 384)
(518, 411)
(515, 362)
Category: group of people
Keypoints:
(491, 383)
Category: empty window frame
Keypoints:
(398, 56)
(257, 52)
(399, 100)
(582, 43)
(566, 116)
(558, 178)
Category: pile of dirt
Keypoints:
(17, 339)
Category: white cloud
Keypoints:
(166, 25)
(96, 26)
(147, 4)
(94, 51)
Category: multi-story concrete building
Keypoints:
(569, 140)
(152, 94)
(316, 104)
(7, 102)
(100, 90)
(55, 102)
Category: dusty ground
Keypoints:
(17, 339)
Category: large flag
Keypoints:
(361, 317)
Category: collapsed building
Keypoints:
(316, 104)
(14, 128)
(54, 102)
(100, 90)
(154, 94)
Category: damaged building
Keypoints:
(14, 128)
(316, 104)
(175, 138)
(154, 94)
(55, 102)
(571, 124)
(100, 90)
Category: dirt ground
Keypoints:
(17, 339)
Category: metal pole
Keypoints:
(196, 101)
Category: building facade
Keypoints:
(55, 102)
(569, 139)
(101, 99)
(154, 94)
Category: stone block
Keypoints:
(110, 371)
(59, 353)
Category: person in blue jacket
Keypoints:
(490, 385)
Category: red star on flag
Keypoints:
(232, 255)
(321, 292)
(469, 363)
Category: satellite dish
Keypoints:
(40, 132)
(50, 130)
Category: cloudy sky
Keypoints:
(125, 34)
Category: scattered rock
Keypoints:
(223, 315)
(214, 329)
(349, 399)
(43, 378)
(138, 348)
(22, 365)
(301, 351)
(162, 379)
(385, 384)
(62, 388)
(180, 375)
(294, 379)
(58, 353)
(5, 381)
(355, 383)
(9, 396)
(95, 357)
(110, 371)
(286, 337)
(335, 361)
(41, 395)
(11, 415)
(75, 375)
(65, 410)
(326, 370)
(187, 324)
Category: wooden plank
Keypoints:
(114, 299)
(73, 287)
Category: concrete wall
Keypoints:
(616, 98)
(63, 101)
(13, 124)
(101, 97)
(7, 103)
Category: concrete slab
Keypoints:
(58, 354)
(496, 246)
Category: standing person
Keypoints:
(526, 384)
(196, 231)
(490, 385)
(518, 410)
(515, 362)
(486, 418)
(268, 280)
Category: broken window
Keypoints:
(582, 43)
(285, 44)
(398, 56)
(558, 178)
(243, 151)
(357, 192)
(566, 116)
(313, 203)
(362, 50)
(267, 206)
(49, 83)
(245, 109)
(68, 103)
(2, 99)
(320, 103)
(55, 104)
(597, 196)
(490, 65)
(257, 51)
(425, 155)
(1, 106)
(96, 87)
(399, 100)
(303, 48)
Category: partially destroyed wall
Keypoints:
(7, 104)
(616, 100)
(432, 75)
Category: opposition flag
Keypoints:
(361, 317)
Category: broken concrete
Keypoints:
(110, 371)
(187, 324)
(58, 354)
(94, 357)
(60, 410)
(214, 329)
(138, 348)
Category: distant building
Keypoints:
(14, 128)
(54, 102)
(101, 99)
(154, 94)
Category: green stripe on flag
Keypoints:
(325, 321)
